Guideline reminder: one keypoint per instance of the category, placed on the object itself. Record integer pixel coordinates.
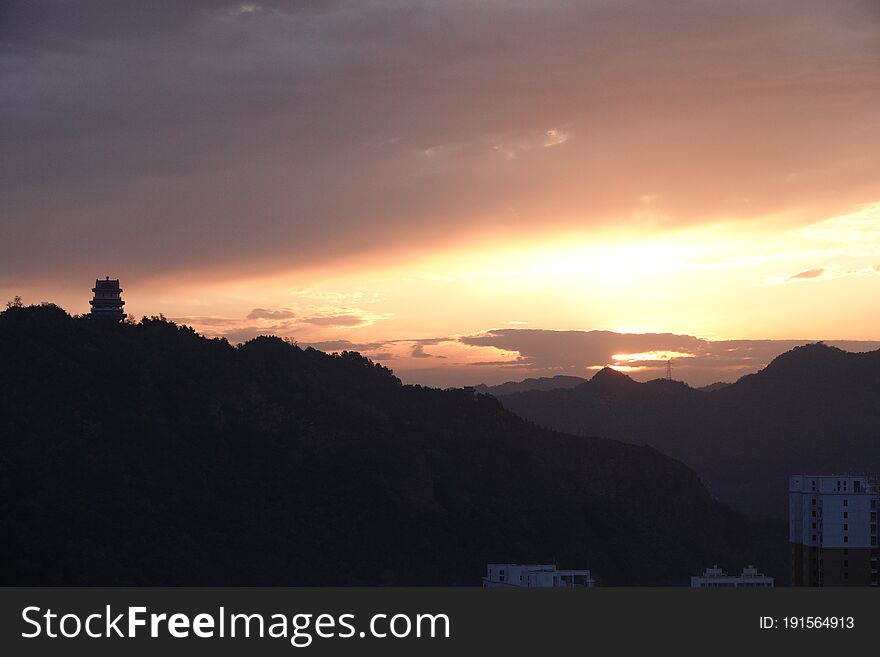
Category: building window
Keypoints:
(814, 501)
(845, 502)
(846, 563)
(845, 526)
(846, 550)
(846, 514)
(846, 576)
(814, 513)
(846, 539)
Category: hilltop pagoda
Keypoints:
(108, 299)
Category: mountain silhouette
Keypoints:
(813, 409)
(145, 454)
(539, 383)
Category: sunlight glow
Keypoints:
(651, 356)
(683, 281)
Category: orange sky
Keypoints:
(427, 184)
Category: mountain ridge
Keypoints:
(146, 454)
(534, 383)
(813, 408)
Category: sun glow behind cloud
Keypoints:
(566, 166)
(761, 278)
(651, 356)
(684, 281)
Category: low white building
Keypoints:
(714, 577)
(535, 576)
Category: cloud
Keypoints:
(808, 274)
(555, 137)
(576, 350)
(348, 319)
(206, 321)
(247, 8)
(425, 341)
(506, 364)
(418, 351)
(262, 313)
(697, 360)
(122, 124)
(821, 274)
(512, 146)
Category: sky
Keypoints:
(466, 192)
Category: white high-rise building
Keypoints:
(833, 530)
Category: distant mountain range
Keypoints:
(560, 381)
(541, 383)
(146, 454)
(813, 409)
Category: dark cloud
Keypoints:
(578, 349)
(546, 352)
(190, 134)
(506, 364)
(262, 313)
(418, 351)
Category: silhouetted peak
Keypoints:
(805, 359)
(265, 344)
(667, 384)
(718, 385)
(610, 376)
(541, 383)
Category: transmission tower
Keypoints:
(669, 370)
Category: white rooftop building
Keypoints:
(535, 576)
(715, 577)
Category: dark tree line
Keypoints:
(143, 453)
